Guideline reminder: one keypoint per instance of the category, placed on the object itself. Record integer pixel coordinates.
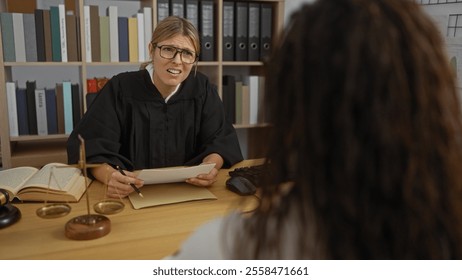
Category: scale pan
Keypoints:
(109, 207)
(53, 211)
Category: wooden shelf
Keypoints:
(37, 150)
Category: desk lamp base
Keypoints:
(87, 227)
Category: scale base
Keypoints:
(9, 215)
(87, 227)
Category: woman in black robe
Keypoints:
(163, 115)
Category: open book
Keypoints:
(66, 183)
(156, 191)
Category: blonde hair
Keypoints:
(172, 26)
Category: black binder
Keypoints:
(254, 32)
(177, 8)
(31, 109)
(228, 31)
(163, 9)
(192, 12)
(229, 97)
(266, 30)
(242, 27)
(206, 25)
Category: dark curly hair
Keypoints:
(367, 128)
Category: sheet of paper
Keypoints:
(162, 194)
(173, 174)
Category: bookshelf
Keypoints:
(37, 150)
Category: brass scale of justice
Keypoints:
(84, 227)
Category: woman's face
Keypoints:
(169, 72)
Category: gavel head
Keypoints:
(4, 197)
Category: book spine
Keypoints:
(52, 117)
(47, 35)
(60, 108)
(133, 39)
(68, 115)
(40, 35)
(12, 109)
(95, 34)
(30, 37)
(19, 41)
(21, 106)
(41, 109)
(114, 33)
(9, 51)
(72, 40)
(87, 24)
(123, 38)
(62, 32)
(140, 28)
(104, 38)
(147, 30)
(31, 109)
(55, 34)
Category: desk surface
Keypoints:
(149, 233)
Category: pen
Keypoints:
(131, 184)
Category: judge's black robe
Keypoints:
(130, 125)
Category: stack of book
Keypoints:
(43, 111)
(45, 35)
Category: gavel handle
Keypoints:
(4, 197)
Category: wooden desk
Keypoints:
(149, 233)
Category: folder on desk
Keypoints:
(177, 8)
(254, 32)
(242, 28)
(228, 31)
(163, 10)
(266, 29)
(206, 24)
(192, 12)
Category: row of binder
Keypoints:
(247, 26)
(247, 30)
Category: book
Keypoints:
(113, 33)
(40, 34)
(41, 109)
(19, 40)
(31, 109)
(21, 108)
(123, 38)
(87, 33)
(76, 104)
(12, 109)
(47, 35)
(104, 38)
(147, 31)
(72, 38)
(229, 97)
(173, 174)
(95, 34)
(60, 108)
(133, 39)
(62, 32)
(68, 114)
(9, 53)
(55, 33)
(53, 182)
(52, 116)
(30, 37)
(140, 29)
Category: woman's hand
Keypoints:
(204, 180)
(118, 185)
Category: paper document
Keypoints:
(173, 174)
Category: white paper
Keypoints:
(174, 174)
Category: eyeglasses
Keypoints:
(169, 52)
